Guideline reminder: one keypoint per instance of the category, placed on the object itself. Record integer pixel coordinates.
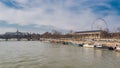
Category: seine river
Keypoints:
(36, 54)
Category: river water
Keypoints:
(36, 54)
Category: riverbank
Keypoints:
(106, 42)
(110, 44)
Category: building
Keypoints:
(114, 35)
(17, 33)
(94, 34)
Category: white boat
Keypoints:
(117, 48)
(88, 45)
(98, 45)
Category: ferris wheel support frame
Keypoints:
(97, 20)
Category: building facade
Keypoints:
(95, 34)
(114, 35)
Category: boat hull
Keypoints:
(111, 48)
(88, 46)
(81, 45)
(98, 46)
(117, 49)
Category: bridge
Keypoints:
(19, 36)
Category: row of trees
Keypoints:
(19, 36)
(55, 34)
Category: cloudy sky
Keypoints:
(63, 15)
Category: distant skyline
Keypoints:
(63, 15)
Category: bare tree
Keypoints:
(46, 35)
(118, 29)
(106, 29)
(70, 32)
(55, 32)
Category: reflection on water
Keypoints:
(35, 54)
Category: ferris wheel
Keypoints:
(99, 24)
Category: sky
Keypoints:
(40, 16)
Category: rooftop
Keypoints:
(89, 31)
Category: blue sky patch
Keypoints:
(11, 4)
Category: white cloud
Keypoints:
(60, 17)
(3, 30)
(35, 12)
(21, 1)
(113, 22)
